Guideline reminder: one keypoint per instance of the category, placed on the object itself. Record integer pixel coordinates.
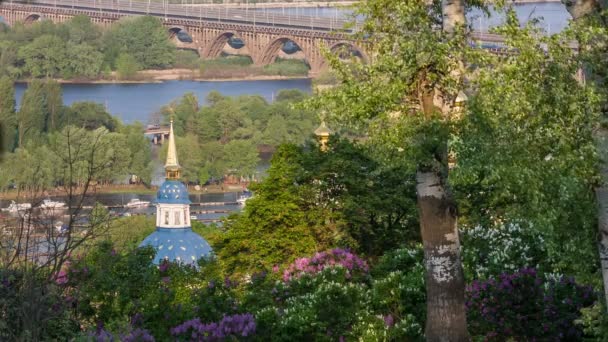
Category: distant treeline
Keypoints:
(80, 49)
(223, 138)
(44, 138)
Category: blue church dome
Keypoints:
(174, 239)
(177, 245)
(173, 192)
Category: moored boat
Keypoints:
(49, 204)
(137, 203)
(15, 207)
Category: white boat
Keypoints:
(137, 203)
(15, 207)
(48, 204)
(244, 197)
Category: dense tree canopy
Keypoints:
(223, 138)
(37, 133)
(80, 49)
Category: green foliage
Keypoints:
(45, 56)
(187, 59)
(540, 168)
(8, 119)
(272, 230)
(490, 251)
(594, 322)
(78, 49)
(88, 115)
(143, 38)
(287, 67)
(33, 308)
(222, 138)
(44, 125)
(126, 66)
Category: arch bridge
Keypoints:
(208, 29)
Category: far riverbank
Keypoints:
(159, 76)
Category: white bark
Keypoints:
(429, 185)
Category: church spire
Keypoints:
(172, 168)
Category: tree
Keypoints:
(31, 119)
(140, 160)
(81, 30)
(8, 119)
(54, 103)
(272, 231)
(83, 60)
(415, 76)
(240, 157)
(591, 13)
(44, 57)
(143, 38)
(88, 115)
(126, 66)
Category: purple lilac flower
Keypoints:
(138, 335)
(229, 327)
(389, 321)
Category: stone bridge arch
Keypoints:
(349, 46)
(32, 18)
(271, 50)
(214, 47)
(174, 30)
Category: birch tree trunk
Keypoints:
(446, 314)
(580, 9)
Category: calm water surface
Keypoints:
(137, 102)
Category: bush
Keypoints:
(229, 327)
(525, 306)
(186, 59)
(508, 247)
(126, 66)
(287, 67)
(354, 266)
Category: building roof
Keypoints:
(172, 163)
(172, 192)
(323, 130)
(177, 245)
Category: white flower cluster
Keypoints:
(506, 247)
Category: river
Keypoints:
(138, 101)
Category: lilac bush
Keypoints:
(138, 335)
(235, 326)
(337, 257)
(525, 306)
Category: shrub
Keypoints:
(525, 306)
(338, 257)
(229, 327)
(287, 67)
(508, 247)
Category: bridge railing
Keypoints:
(202, 13)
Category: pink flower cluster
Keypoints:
(337, 257)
